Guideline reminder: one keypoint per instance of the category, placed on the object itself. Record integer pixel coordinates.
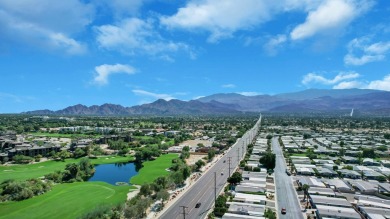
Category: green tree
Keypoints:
(268, 160)
(21, 159)
(220, 206)
(369, 152)
(235, 178)
(211, 154)
(79, 153)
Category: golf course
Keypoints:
(23, 172)
(66, 201)
(151, 170)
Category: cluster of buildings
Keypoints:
(250, 195)
(331, 163)
(342, 183)
(12, 144)
(349, 199)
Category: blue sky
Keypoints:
(130, 52)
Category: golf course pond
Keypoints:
(115, 174)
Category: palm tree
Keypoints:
(305, 189)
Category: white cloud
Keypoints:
(228, 86)
(274, 43)
(316, 78)
(369, 52)
(133, 36)
(220, 18)
(41, 23)
(383, 84)
(104, 71)
(153, 95)
(331, 16)
(348, 85)
(249, 93)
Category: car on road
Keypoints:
(221, 173)
(288, 172)
(283, 211)
(224, 161)
(198, 205)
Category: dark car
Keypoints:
(283, 211)
(224, 161)
(198, 205)
(288, 172)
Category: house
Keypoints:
(372, 201)
(328, 201)
(326, 172)
(338, 184)
(310, 181)
(239, 216)
(304, 171)
(364, 187)
(250, 198)
(321, 191)
(373, 175)
(385, 163)
(324, 211)
(350, 174)
(374, 213)
(370, 162)
(240, 208)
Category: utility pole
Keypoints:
(215, 188)
(184, 211)
(238, 155)
(229, 159)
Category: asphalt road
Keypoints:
(285, 192)
(203, 190)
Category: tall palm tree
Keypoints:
(305, 189)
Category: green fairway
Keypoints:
(28, 171)
(66, 201)
(151, 170)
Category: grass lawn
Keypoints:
(142, 137)
(28, 171)
(151, 170)
(66, 201)
(299, 155)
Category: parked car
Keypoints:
(288, 172)
(198, 205)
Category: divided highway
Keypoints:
(203, 190)
(285, 191)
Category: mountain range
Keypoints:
(365, 101)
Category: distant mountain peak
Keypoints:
(311, 100)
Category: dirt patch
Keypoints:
(193, 143)
(194, 158)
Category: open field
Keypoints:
(151, 170)
(66, 201)
(28, 171)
